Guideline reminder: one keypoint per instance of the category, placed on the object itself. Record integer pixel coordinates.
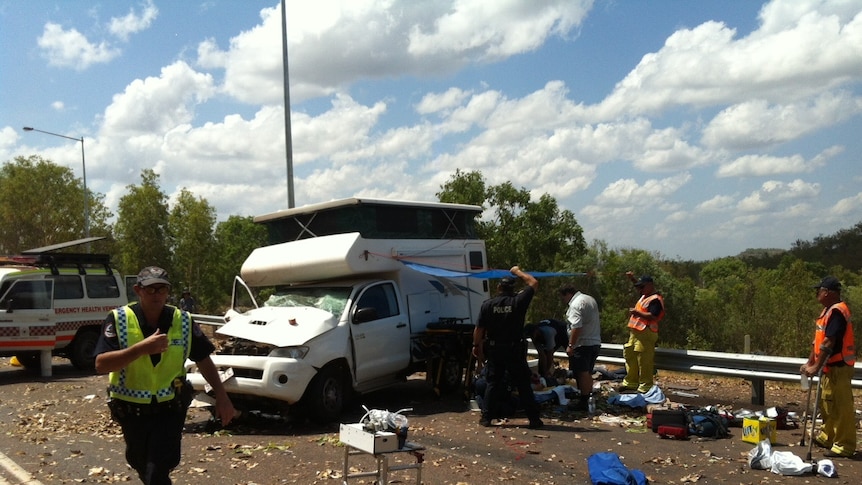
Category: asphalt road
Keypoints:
(56, 430)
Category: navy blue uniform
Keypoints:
(502, 317)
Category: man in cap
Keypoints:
(499, 332)
(187, 302)
(144, 346)
(639, 351)
(833, 356)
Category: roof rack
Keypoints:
(81, 261)
(45, 257)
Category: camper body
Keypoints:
(337, 311)
(54, 303)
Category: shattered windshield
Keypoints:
(330, 299)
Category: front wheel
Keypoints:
(324, 399)
(446, 373)
(81, 353)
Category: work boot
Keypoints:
(486, 422)
(535, 423)
(581, 404)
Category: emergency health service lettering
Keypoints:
(85, 309)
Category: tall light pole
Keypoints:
(287, 132)
(84, 169)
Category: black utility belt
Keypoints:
(125, 408)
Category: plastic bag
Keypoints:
(376, 420)
(786, 463)
(826, 468)
(760, 457)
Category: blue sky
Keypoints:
(691, 129)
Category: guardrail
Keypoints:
(216, 320)
(754, 368)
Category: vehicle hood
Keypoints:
(272, 325)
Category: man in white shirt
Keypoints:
(585, 339)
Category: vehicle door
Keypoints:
(242, 299)
(379, 332)
(27, 315)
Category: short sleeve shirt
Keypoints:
(502, 317)
(583, 313)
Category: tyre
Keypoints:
(448, 376)
(324, 399)
(31, 360)
(82, 347)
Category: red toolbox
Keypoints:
(671, 417)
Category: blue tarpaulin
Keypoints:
(485, 275)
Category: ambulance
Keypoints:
(54, 303)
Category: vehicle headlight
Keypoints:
(297, 352)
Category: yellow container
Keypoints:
(757, 430)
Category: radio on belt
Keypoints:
(354, 435)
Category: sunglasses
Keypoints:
(152, 290)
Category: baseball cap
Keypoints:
(830, 283)
(153, 275)
(507, 281)
(643, 280)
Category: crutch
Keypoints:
(814, 415)
(807, 412)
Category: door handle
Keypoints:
(401, 325)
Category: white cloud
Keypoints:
(494, 30)
(157, 104)
(718, 203)
(434, 102)
(341, 42)
(132, 23)
(71, 49)
(765, 165)
(629, 192)
(773, 192)
(753, 124)
(782, 62)
(849, 206)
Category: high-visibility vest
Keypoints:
(639, 323)
(847, 353)
(141, 381)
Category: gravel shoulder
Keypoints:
(58, 430)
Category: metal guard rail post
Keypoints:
(754, 368)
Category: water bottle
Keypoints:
(591, 405)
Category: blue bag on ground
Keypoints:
(607, 469)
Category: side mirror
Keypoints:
(363, 315)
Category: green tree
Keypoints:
(235, 239)
(535, 235)
(142, 226)
(190, 225)
(42, 203)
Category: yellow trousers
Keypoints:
(639, 353)
(839, 412)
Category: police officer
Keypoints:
(499, 333)
(144, 346)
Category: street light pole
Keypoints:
(84, 171)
